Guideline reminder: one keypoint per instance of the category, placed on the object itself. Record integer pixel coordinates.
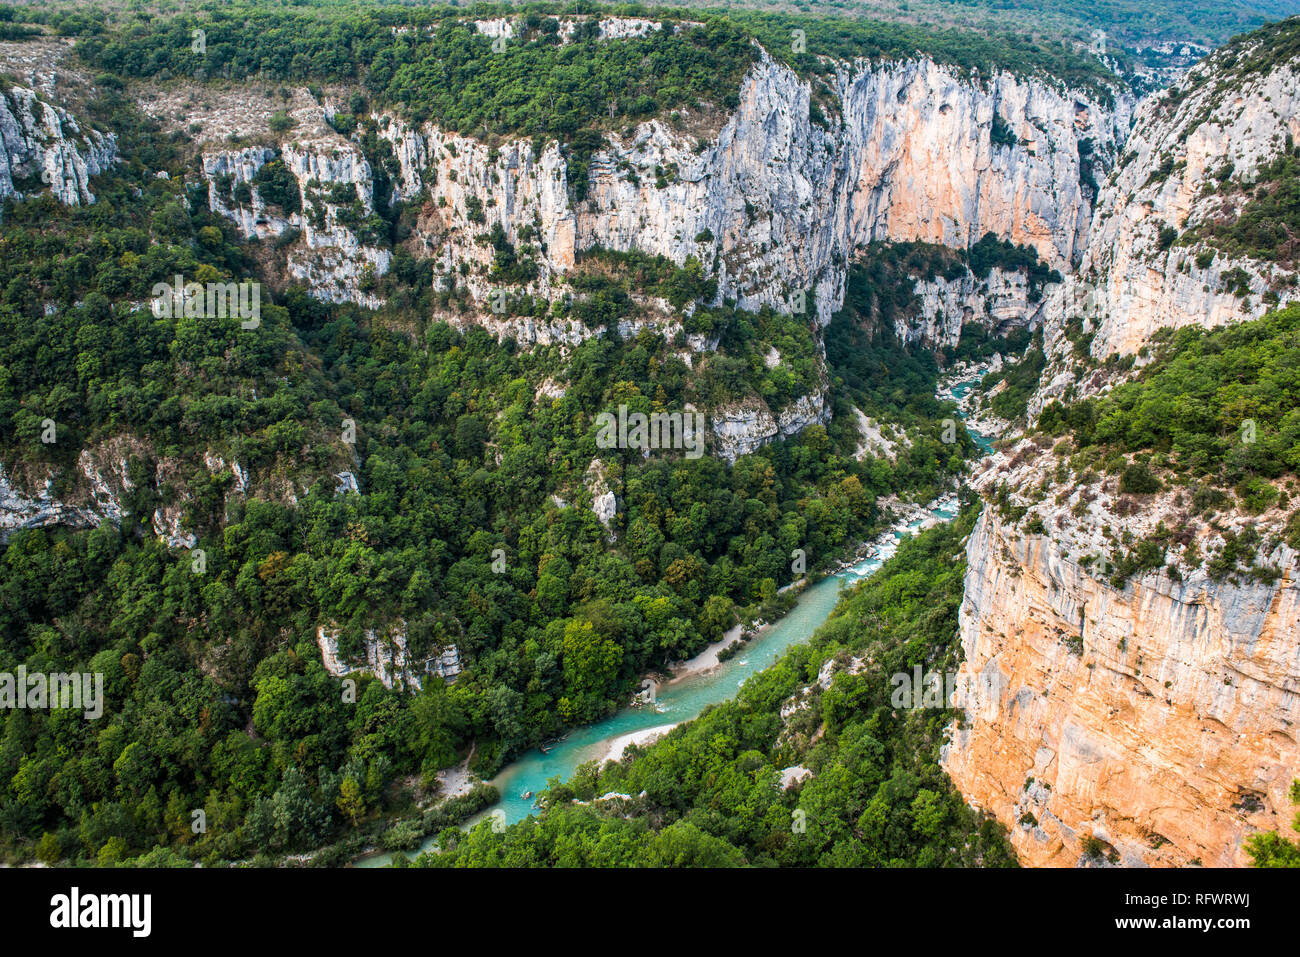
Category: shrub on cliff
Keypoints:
(1271, 849)
(1220, 404)
(1138, 480)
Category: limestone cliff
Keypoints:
(739, 430)
(42, 147)
(333, 180)
(1157, 713)
(386, 656)
(1160, 718)
(470, 188)
(778, 203)
(774, 204)
(19, 510)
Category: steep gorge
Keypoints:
(1157, 717)
(1152, 720)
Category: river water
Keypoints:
(684, 698)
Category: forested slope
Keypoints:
(375, 473)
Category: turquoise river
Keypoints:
(684, 698)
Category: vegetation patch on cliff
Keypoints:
(1221, 405)
(1261, 215)
(1273, 849)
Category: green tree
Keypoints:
(350, 800)
(1271, 849)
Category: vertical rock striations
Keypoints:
(774, 206)
(43, 147)
(1160, 718)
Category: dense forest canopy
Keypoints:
(428, 60)
(466, 517)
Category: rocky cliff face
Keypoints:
(740, 430)
(1158, 715)
(774, 206)
(1000, 302)
(93, 495)
(924, 164)
(470, 188)
(386, 657)
(97, 490)
(43, 147)
(778, 203)
(1189, 146)
(1160, 718)
(19, 510)
(333, 180)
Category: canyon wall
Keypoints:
(1000, 302)
(333, 179)
(779, 204)
(1189, 163)
(775, 204)
(1160, 718)
(1153, 718)
(1200, 130)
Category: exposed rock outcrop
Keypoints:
(874, 441)
(773, 207)
(1160, 718)
(604, 503)
(43, 147)
(740, 430)
(19, 510)
(333, 181)
(386, 657)
(1002, 301)
(470, 188)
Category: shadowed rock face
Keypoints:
(1169, 729)
(1000, 302)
